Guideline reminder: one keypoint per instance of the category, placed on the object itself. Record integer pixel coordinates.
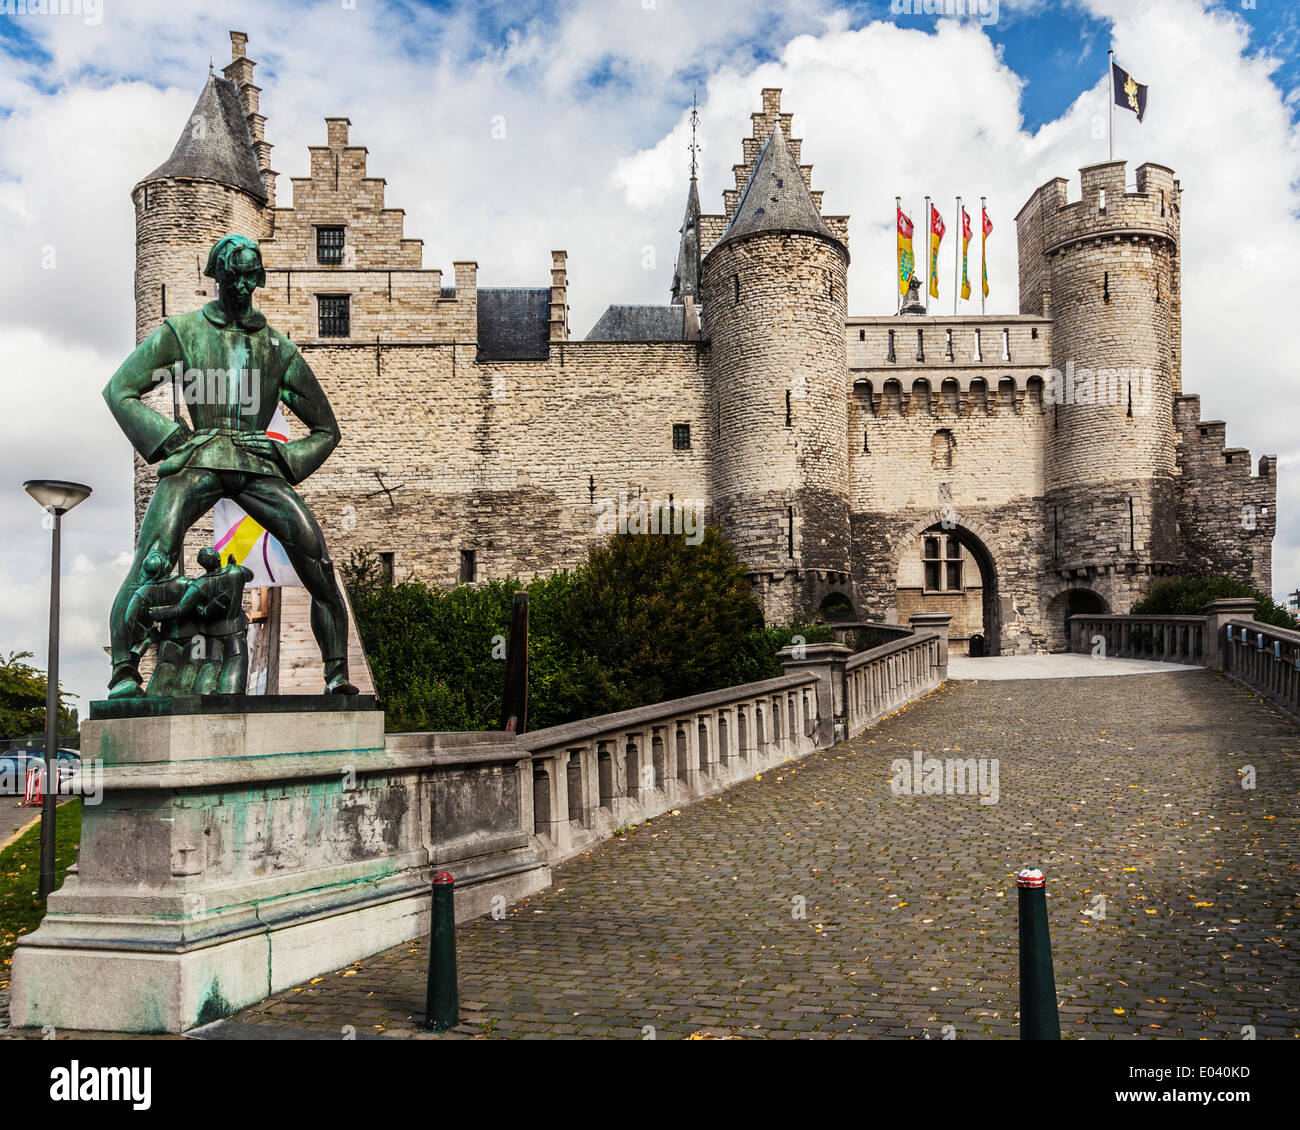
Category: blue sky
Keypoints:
(596, 95)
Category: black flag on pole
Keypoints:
(1129, 93)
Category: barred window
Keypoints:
(329, 246)
(681, 437)
(335, 314)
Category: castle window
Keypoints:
(1033, 333)
(1101, 200)
(920, 345)
(1006, 345)
(942, 564)
(1105, 287)
(890, 355)
(335, 312)
(979, 355)
(386, 567)
(941, 448)
(736, 281)
(681, 437)
(862, 335)
(948, 350)
(329, 246)
(866, 444)
(468, 565)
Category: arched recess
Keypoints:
(1071, 602)
(976, 541)
(836, 608)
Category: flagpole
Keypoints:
(898, 207)
(928, 237)
(984, 240)
(956, 259)
(1110, 75)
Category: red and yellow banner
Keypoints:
(965, 247)
(906, 260)
(984, 264)
(936, 238)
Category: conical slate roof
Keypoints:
(686, 278)
(776, 198)
(215, 143)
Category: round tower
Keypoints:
(774, 290)
(214, 183)
(1109, 274)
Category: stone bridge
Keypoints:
(814, 900)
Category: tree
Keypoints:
(1187, 596)
(22, 700)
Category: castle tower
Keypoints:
(774, 294)
(1106, 269)
(214, 183)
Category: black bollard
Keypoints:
(1038, 1016)
(442, 1003)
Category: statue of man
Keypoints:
(236, 369)
(217, 600)
(175, 666)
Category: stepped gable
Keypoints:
(215, 143)
(775, 197)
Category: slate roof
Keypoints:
(776, 198)
(686, 276)
(215, 143)
(514, 324)
(639, 323)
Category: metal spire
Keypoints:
(695, 121)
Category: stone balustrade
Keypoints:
(1225, 636)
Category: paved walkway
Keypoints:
(1059, 666)
(1125, 788)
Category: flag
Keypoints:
(906, 260)
(984, 262)
(936, 238)
(965, 245)
(235, 534)
(1129, 94)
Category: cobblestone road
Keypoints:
(1126, 788)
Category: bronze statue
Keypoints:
(235, 370)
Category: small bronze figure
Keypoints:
(216, 600)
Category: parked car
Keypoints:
(16, 763)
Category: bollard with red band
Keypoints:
(442, 1003)
(1039, 1019)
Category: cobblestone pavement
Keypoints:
(1126, 788)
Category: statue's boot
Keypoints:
(125, 683)
(336, 678)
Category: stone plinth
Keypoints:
(234, 855)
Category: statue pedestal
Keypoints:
(237, 854)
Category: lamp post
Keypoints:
(56, 498)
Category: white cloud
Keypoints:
(602, 173)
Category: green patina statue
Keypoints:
(236, 369)
(220, 659)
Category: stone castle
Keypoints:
(1007, 469)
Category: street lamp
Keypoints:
(56, 498)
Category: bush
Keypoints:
(648, 618)
(1187, 596)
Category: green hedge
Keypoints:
(1188, 596)
(646, 619)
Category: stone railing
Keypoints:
(862, 635)
(595, 776)
(1169, 639)
(1266, 659)
(1226, 636)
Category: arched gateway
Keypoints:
(950, 568)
